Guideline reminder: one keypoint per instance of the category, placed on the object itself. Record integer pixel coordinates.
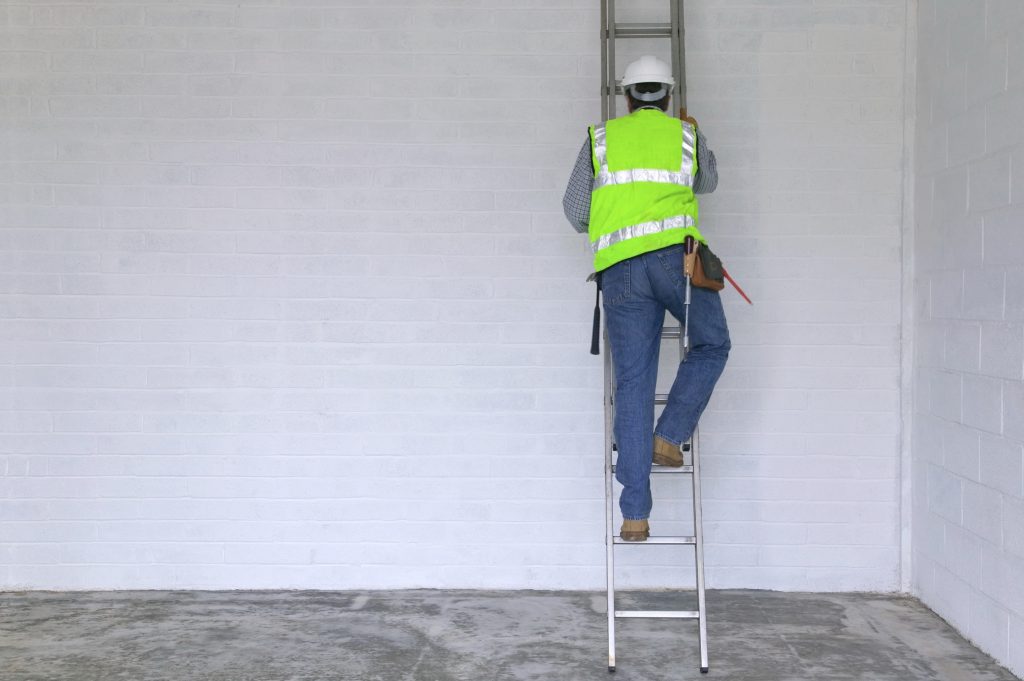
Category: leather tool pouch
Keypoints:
(704, 268)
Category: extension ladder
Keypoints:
(610, 32)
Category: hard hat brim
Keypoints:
(648, 78)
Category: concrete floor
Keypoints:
(473, 636)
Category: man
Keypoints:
(633, 191)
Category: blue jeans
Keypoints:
(636, 294)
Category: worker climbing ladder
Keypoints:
(610, 32)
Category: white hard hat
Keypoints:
(648, 69)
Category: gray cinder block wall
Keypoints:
(290, 301)
(968, 259)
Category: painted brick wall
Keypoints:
(288, 299)
(969, 363)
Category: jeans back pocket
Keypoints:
(615, 283)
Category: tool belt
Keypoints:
(704, 268)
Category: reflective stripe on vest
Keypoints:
(643, 229)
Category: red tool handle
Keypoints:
(736, 286)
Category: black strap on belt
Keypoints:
(595, 347)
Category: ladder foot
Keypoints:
(703, 670)
(611, 670)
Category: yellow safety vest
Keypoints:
(643, 200)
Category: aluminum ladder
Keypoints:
(610, 32)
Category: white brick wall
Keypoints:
(288, 299)
(968, 558)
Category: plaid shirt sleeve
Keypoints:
(576, 201)
(707, 169)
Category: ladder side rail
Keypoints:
(609, 494)
(608, 112)
(604, 59)
(698, 531)
(679, 65)
(678, 53)
(611, 60)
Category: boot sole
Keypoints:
(665, 461)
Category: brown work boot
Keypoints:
(666, 453)
(635, 530)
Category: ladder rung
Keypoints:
(663, 470)
(647, 30)
(661, 398)
(677, 470)
(671, 332)
(677, 541)
(685, 445)
(673, 614)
